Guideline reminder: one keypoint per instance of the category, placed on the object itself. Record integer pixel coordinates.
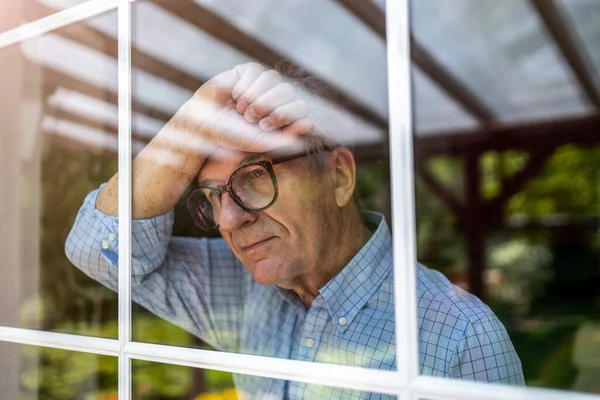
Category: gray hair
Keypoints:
(317, 143)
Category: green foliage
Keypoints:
(54, 374)
(569, 184)
(527, 268)
(371, 187)
(163, 381)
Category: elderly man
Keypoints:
(300, 272)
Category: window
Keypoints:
(473, 124)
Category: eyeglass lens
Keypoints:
(252, 188)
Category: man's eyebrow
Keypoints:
(206, 182)
(246, 160)
(250, 158)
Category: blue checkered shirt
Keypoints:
(199, 285)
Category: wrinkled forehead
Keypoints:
(222, 162)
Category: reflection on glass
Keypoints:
(29, 372)
(269, 285)
(163, 381)
(60, 144)
(510, 211)
(20, 12)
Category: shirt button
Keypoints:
(105, 244)
(112, 237)
(309, 343)
(342, 321)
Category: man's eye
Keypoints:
(257, 173)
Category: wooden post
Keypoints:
(475, 224)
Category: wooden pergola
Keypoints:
(476, 214)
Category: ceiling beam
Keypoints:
(449, 83)
(223, 30)
(91, 123)
(101, 42)
(534, 136)
(570, 47)
(527, 136)
(56, 78)
(368, 12)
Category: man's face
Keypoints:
(280, 244)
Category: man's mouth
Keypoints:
(257, 244)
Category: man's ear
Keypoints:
(344, 175)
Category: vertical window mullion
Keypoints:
(124, 78)
(402, 190)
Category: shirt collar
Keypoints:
(348, 292)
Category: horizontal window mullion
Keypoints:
(64, 341)
(65, 17)
(357, 378)
(426, 387)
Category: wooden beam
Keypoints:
(101, 42)
(450, 84)
(374, 17)
(475, 223)
(223, 30)
(91, 123)
(570, 47)
(527, 136)
(371, 153)
(369, 13)
(495, 206)
(448, 197)
(56, 78)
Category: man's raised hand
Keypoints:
(246, 108)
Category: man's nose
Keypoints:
(233, 216)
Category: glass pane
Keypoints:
(20, 12)
(582, 16)
(58, 101)
(435, 111)
(501, 52)
(511, 214)
(335, 37)
(174, 382)
(240, 288)
(31, 373)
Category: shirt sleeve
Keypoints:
(197, 284)
(486, 354)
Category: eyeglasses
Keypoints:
(253, 187)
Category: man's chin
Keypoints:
(266, 271)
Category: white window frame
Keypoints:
(405, 382)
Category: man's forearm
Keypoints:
(211, 118)
(161, 172)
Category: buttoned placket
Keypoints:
(312, 329)
(307, 340)
(109, 241)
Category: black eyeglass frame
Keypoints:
(266, 164)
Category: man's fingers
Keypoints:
(299, 127)
(248, 74)
(280, 95)
(225, 80)
(266, 81)
(284, 115)
(232, 131)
